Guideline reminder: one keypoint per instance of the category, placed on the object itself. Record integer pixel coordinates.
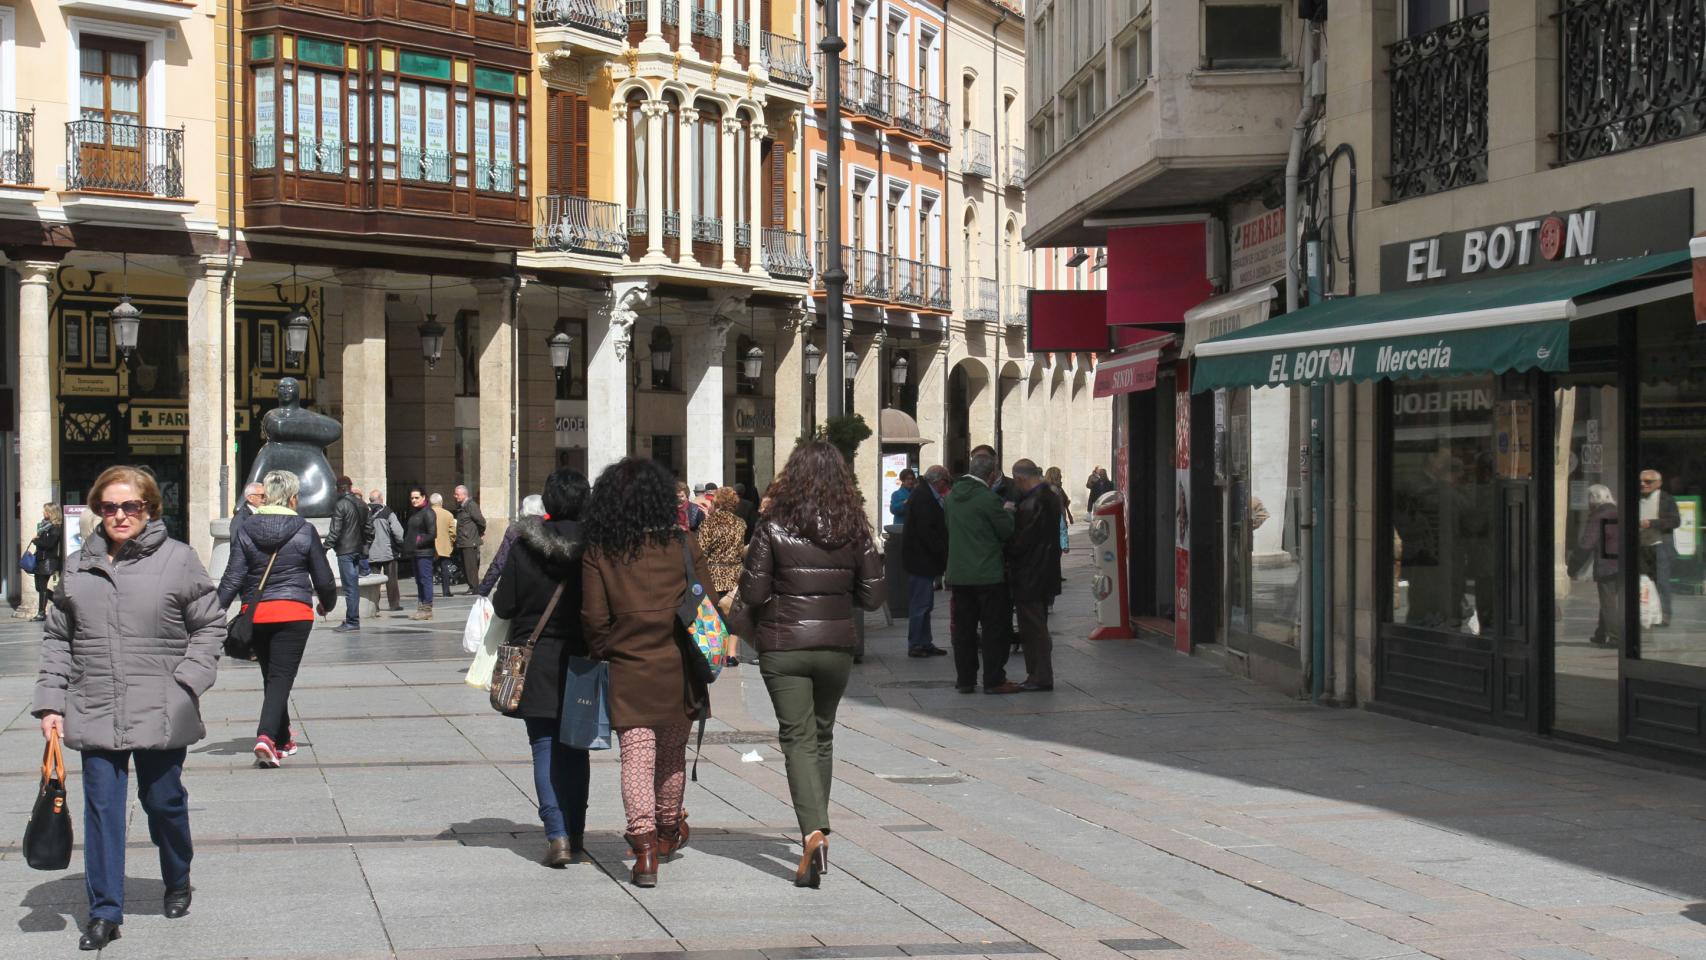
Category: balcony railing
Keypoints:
(1016, 305)
(707, 230)
(580, 225)
(124, 158)
(1629, 78)
(983, 300)
(785, 58)
(319, 156)
(864, 92)
(1016, 167)
(906, 281)
(599, 16)
(785, 253)
(1439, 109)
(426, 165)
(17, 147)
(935, 118)
(502, 8)
(978, 158)
(937, 290)
(263, 153)
(707, 23)
(743, 235)
(638, 224)
(867, 276)
(908, 112)
(743, 34)
(636, 10)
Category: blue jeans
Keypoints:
(106, 801)
(920, 602)
(562, 777)
(423, 579)
(349, 571)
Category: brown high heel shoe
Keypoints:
(645, 847)
(812, 860)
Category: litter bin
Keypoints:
(894, 571)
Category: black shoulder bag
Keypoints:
(240, 632)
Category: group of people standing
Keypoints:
(996, 542)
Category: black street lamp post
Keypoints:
(834, 276)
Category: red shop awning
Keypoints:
(1133, 370)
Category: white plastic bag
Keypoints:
(486, 657)
(479, 618)
(1652, 612)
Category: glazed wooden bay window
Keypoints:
(442, 123)
(305, 106)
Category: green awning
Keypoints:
(1487, 325)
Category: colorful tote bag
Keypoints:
(705, 628)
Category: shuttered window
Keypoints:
(566, 145)
(776, 185)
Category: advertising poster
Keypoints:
(1182, 505)
(74, 527)
(893, 464)
(1687, 537)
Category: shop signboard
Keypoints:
(1593, 234)
(1686, 539)
(1258, 248)
(85, 385)
(749, 417)
(570, 426)
(152, 418)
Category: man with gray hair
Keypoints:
(387, 544)
(979, 526)
(254, 497)
(470, 533)
(1033, 570)
(924, 555)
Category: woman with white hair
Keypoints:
(278, 565)
(532, 505)
(1598, 538)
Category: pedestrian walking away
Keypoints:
(348, 537)
(383, 553)
(444, 542)
(47, 546)
(924, 555)
(723, 537)
(532, 505)
(470, 533)
(130, 647)
(278, 566)
(545, 555)
(979, 526)
(1033, 568)
(420, 539)
(813, 560)
(633, 581)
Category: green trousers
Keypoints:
(805, 688)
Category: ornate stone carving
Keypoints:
(718, 341)
(625, 300)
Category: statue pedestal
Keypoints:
(370, 584)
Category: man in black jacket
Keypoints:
(470, 533)
(924, 554)
(254, 495)
(350, 523)
(1033, 571)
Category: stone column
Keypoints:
(210, 402)
(754, 211)
(656, 114)
(610, 332)
(364, 378)
(689, 154)
(497, 407)
(867, 401)
(37, 419)
(727, 209)
(729, 63)
(790, 376)
(704, 347)
(619, 161)
(654, 41)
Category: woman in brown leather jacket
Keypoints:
(811, 559)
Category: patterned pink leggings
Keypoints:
(654, 775)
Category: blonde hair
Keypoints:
(137, 478)
(54, 513)
(281, 486)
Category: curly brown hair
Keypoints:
(816, 498)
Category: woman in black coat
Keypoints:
(50, 535)
(545, 558)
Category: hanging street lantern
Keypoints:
(432, 340)
(661, 355)
(753, 363)
(849, 365)
(897, 373)
(814, 356)
(127, 321)
(562, 351)
(296, 332)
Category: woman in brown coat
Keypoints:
(633, 580)
(811, 561)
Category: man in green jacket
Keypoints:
(979, 526)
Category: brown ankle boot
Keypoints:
(645, 847)
(672, 837)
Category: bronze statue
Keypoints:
(296, 441)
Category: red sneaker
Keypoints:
(266, 755)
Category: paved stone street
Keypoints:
(1150, 806)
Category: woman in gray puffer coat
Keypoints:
(131, 644)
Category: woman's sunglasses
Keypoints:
(130, 508)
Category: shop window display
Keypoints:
(1262, 568)
(1443, 495)
(1671, 483)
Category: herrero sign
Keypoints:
(1601, 232)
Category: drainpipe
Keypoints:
(1306, 500)
(1000, 224)
(228, 283)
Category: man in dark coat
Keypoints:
(1033, 570)
(346, 538)
(470, 533)
(746, 509)
(924, 554)
(253, 496)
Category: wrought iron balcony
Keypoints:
(906, 281)
(124, 158)
(785, 58)
(17, 147)
(864, 92)
(263, 153)
(785, 254)
(1439, 109)
(867, 278)
(494, 176)
(908, 112)
(983, 300)
(743, 235)
(934, 112)
(977, 157)
(707, 230)
(743, 34)
(707, 23)
(599, 16)
(580, 225)
(937, 289)
(319, 156)
(1632, 73)
(638, 224)
(1016, 305)
(636, 10)
(672, 223)
(1016, 167)
(424, 165)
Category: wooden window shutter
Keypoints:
(558, 141)
(776, 172)
(581, 179)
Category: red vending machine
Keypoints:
(1108, 586)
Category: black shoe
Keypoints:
(1005, 687)
(177, 903)
(1031, 687)
(38, 618)
(733, 662)
(98, 934)
(936, 652)
(971, 689)
(918, 653)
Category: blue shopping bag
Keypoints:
(586, 705)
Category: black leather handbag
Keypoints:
(47, 838)
(240, 631)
